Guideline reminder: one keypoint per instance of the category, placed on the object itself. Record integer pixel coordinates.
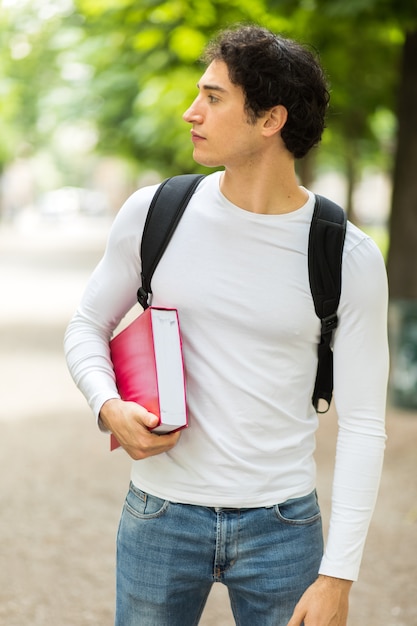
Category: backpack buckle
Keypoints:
(143, 297)
(329, 323)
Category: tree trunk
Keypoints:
(351, 176)
(402, 257)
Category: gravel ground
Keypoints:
(61, 490)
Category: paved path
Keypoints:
(59, 517)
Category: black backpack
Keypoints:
(325, 248)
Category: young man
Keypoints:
(232, 498)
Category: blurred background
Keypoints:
(91, 98)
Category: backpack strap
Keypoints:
(165, 211)
(325, 249)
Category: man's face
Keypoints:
(221, 132)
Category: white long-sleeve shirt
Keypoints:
(240, 283)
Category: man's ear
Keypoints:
(274, 120)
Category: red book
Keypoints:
(149, 368)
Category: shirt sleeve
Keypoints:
(109, 295)
(360, 384)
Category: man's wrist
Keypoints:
(105, 413)
(341, 583)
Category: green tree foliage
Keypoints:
(31, 84)
(129, 69)
(145, 57)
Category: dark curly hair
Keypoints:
(274, 70)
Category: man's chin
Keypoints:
(206, 162)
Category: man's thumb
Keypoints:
(150, 420)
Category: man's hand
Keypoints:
(131, 424)
(324, 603)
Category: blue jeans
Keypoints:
(169, 555)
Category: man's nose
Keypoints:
(192, 114)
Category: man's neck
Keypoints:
(264, 190)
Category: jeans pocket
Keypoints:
(144, 505)
(299, 511)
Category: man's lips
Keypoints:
(195, 137)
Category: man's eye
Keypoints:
(212, 99)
